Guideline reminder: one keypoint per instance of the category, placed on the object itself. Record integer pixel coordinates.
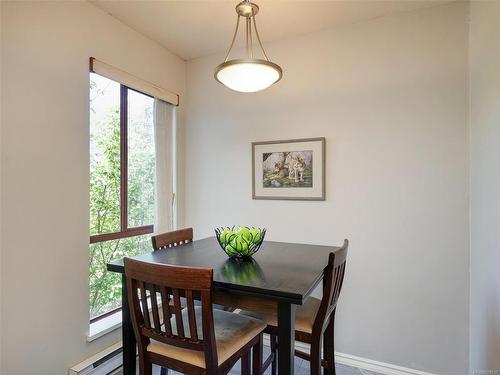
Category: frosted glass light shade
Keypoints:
(248, 75)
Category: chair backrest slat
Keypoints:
(149, 283)
(339, 282)
(165, 305)
(333, 278)
(171, 239)
(192, 316)
(154, 308)
(144, 304)
(178, 313)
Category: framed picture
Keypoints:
(292, 169)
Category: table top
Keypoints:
(279, 270)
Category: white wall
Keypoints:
(485, 185)
(45, 178)
(390, 97)
(1, 206)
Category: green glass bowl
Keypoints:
(240, 242)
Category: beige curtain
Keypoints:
(164, 128)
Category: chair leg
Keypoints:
(257, 354)
(164, 371)
(245, 364)
(315, 357)
(328, 346)
(145, 367)
(274, 351)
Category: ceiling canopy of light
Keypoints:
(249, 74)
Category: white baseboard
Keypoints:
(363, 363)
(376, 366)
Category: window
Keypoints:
(122, 184)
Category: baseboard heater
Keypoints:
(107, 362)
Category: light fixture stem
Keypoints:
(258, 38)
(251, 39)
(234, 38)
(248, 36)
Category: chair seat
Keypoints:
(232, 332)
(304, 315)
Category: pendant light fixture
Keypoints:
(248, 74)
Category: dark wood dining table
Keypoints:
(285, 273)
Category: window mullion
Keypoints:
(123, 157)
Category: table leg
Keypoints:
(128, 337)
(286, 338)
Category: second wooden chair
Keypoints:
(314, 320)
(171, 239)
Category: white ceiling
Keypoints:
(192, 29)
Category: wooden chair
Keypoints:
(314, 321)
(196, 339)
(171, 239)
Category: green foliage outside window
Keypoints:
(105, 287)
